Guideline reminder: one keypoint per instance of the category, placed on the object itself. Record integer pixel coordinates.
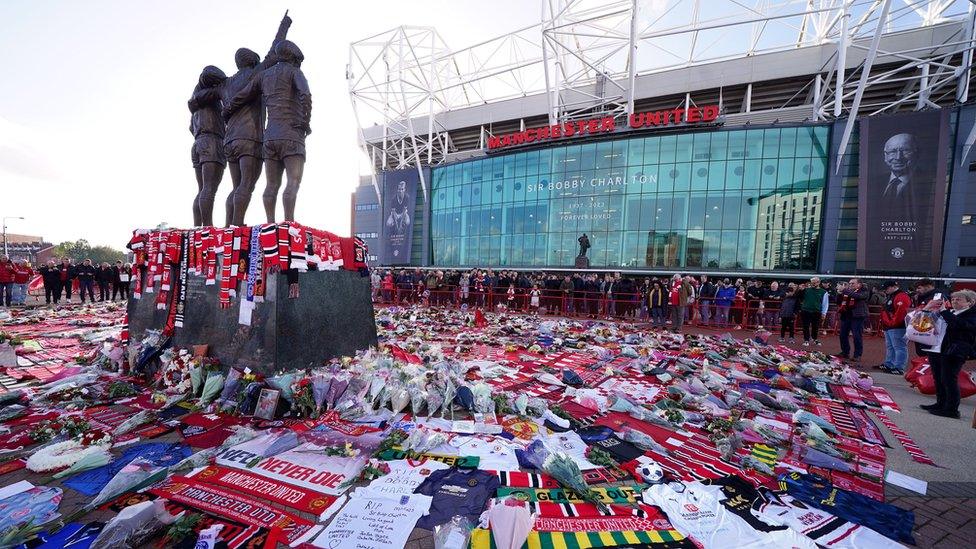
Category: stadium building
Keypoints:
(826, 136)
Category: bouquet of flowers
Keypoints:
(562, 468)
(69, 426)
(175, 374)
(131, 423)
(121, 389)
(211, 388)
(303, 399)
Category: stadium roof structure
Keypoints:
(418, 102)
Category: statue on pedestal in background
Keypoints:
(583, 262)
(207, 152)
(243, 140)
(286, 96)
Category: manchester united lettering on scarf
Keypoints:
(288, 495)
(181, 291)
(199, 495)
(461, 462)
(617, 494)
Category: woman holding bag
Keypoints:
(958, 345)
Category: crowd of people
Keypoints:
(850, 307)
(664, 301)
(59, 279)
(15, 276)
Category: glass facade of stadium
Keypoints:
(720, 199)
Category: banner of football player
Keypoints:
(902, 192)
(399, 201)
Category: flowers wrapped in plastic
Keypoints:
(562, 468)
(131, 423)
(211, 388)
(511, 522)
(135, 524)
(283, 384)
(59, 455)
(320, 388)
(135, 476)
(643, 441)
(422, 439)
(89, 461)
(418, 397)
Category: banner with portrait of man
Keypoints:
(399, 202)
(902, 191)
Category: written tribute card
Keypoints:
(374, 522)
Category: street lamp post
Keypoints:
(5, 232)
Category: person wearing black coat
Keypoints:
(85, 273)
(958, 346)
(122, 274)
(50, 275)
(104, 278)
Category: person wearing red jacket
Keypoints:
(6, 281)
(22, 277)
(896, 306)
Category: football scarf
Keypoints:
(247, 306)
(297, 245)
(181, 291)
(617, 494)
(851, 422)
(551, 509)
(914, 450)
(654, 539)
(11, 466)
(192, 493)
(461, 462)
(518, 479)
(137, 272)
(288, 495)
(269, 243)
(236, 534)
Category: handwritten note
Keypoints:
(372, 522)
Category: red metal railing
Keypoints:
(746, 314)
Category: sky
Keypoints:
(94, 138)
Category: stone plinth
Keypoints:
(331, 317)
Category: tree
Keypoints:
(81, 250)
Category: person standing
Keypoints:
(813, 309)
(896, 307)
(86, 273)
(655, 302)
(706, 294)
(924, 292)
(724, 296)
(958, 345)
(23, 273)
(120, 284)
(104, 277)
(66, 274)
(853, 312)
(787, 315)
(6, 281)
(679, 295)
(772, 300)
(49, 274)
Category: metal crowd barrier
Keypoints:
(720, 314)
